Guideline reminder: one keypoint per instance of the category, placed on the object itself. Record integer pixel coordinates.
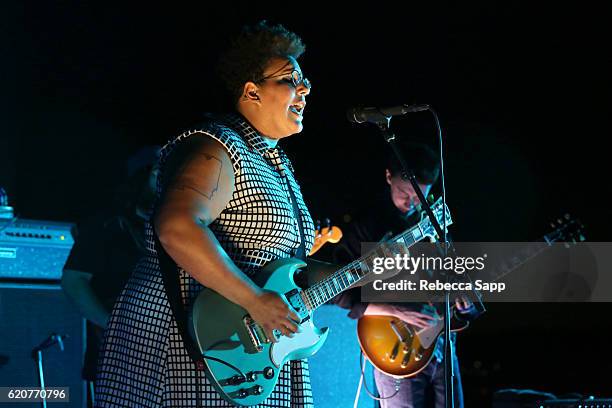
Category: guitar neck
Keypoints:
(566, 230)
(529, 251)
(347, 276)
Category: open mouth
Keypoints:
(298, 108)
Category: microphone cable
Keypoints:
(362, 364)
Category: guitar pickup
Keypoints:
(294, 298)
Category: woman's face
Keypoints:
(281, 102)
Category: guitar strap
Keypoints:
(274, 157)
(172, 285)
(301, 251)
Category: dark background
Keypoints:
(522, 92)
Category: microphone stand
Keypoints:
(38, 356)
(449, 373)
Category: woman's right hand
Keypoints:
(272, 312)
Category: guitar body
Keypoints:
(402, 351)
(223, 331)
(397, 348)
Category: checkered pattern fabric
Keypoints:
(143, 360)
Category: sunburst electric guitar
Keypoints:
(402, 350)
(240, 361)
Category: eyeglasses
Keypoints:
(296, 79)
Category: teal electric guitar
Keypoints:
(240, 361)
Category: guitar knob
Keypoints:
(276, 333)
(257, 390)
(236, 380)
(268, 373)
(394, 352)
(405, 361)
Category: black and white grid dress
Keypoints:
(143, 360)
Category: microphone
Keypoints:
(377, 115)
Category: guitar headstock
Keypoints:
(324, 235)
(566, 229)
(438, 210)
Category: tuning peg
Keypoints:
(553, 225)
(328, 223)
(567, 216)
(559, 221)
(582, 238)
(318, 225)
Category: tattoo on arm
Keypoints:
(209, 192)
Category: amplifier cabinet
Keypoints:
(30, 314)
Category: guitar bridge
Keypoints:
(256, 333)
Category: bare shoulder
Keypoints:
(197, 179)
(199, 152)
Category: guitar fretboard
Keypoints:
(345, 277)
(529, 251)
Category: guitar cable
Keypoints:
(233, 367)
(365, 385)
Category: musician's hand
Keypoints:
(416, 319)
(464, 305)
(465, 309)
(271, 312)
(427, 318)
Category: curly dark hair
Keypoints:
(250, 52)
